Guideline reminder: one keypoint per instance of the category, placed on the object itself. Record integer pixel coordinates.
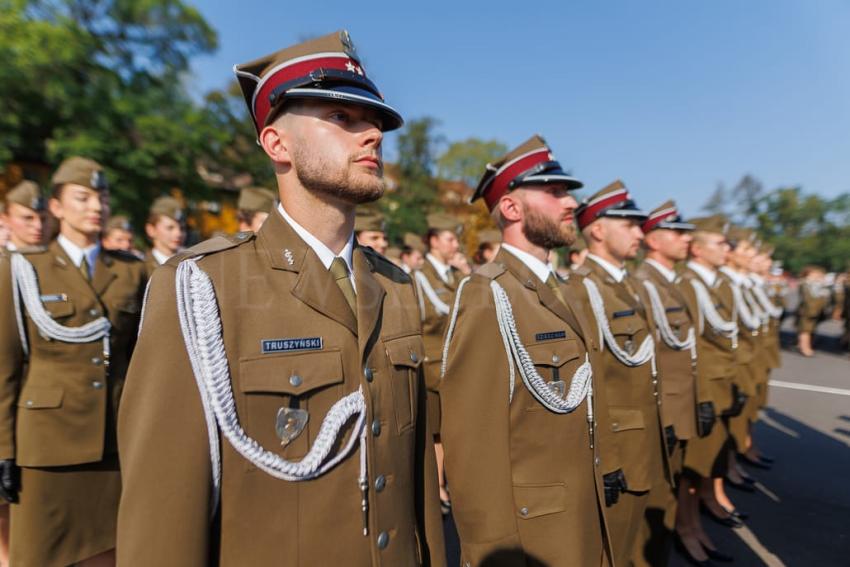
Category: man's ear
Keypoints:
(274, 140)
(510, 207)
(596, 231)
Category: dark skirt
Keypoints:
(65, 514)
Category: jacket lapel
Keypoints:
(70, 274)
(370, 299)
(103, 274)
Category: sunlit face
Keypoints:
(444, 245)
(620, 237)
(672, 244)
(166, 235)
(118, 239)
(375, 239)
(80, 209)
(334, 149)
(548, 215)
(25, 225)
(711, 248)
(741, 256)
(760, 264)
(413, 259)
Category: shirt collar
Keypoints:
(11, 247)
(540, 269)
(619, 274)
(160, 257)
(325, 254)
(738, 279)
(708, 275)
(669, 275)
(442, 269)
(76, 254)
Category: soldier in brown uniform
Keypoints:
(610, 223)
(118, 234)
(717, 331)
(24, 215)
(69, 315)
(165, 230)
(517, 410)
(274, 412)
(254, 207)
(685, 412)
(370, 230)
(412, 253)
(814, 297)
(436, 282)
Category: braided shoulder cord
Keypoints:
(200, 323)
(144, 304)
(766, 305)
(728, 329)
(439, 306)
(25, 288)
(645, 353)
(667, 335)
(750, 320)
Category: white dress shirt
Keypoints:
(669, 275)
(159, 256)
(708, 275)
(618, 273)
(540, 269)
(76, 254)
(325, 254)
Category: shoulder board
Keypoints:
(122, 255)
(384, 266)
(211, 246)
(582, 271)
(31, 250)
(491, 271)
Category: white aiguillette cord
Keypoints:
(439, 305)
(667, 334)
(25, 287)
(200, 323)
(728, 329)
(581, 385)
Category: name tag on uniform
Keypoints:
(270, 346)
(54, 297)
(626, 313)
(674, 309)
(550, 336)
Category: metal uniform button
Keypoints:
(555, 358)
(380, 483)
(523, 511)
(413, 357)
(596, 461)
(29, 403)
(383, 540)
(295, 380)
(367, 372)
(94, 312)
(376, 428)
(615, 426)
(96, 361)
(97, 385)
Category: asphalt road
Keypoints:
(802, 517)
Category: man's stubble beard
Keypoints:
(319, 175)
(546, 233)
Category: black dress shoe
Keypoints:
(729, 520)
(743, 486)
(758, 463)
(735, 513)
(718, 555)
(683, 551)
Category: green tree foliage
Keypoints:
(416, 191)
(465, 160)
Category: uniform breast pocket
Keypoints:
(59, 307)
(285, 398)
(555, 361)
(405, 356)
(628, 330)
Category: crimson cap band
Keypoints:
(325, 68)
(666, 216)
(532, 163)
(613, 200)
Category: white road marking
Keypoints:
(752, 541)
(767, 492)
(779, 427)
(809, 388)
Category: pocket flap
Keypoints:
(626, 325)
(406, 351)
(554, 353)
(293, 374)
(535, 500)
(41, 398)
(57, 309)
(623, 419)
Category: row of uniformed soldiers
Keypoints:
(284, 396)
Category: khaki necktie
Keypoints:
(84, 269)
(556, 289)
(339, 270)
(450, 277)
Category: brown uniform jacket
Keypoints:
(61, 410)
(433, 323)
(151, 263)
(748, 346)
(676, 369)
(272, 285)
(715, 352)
(523, 479)
(632, 392)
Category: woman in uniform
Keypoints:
(69, 314)
(814, 296)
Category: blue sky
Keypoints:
(671, 96)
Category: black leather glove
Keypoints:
(614, 483)
(706, 417)
(670, 438)
(9, 480)
(738, 401)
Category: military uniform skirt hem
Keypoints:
(65, 514)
